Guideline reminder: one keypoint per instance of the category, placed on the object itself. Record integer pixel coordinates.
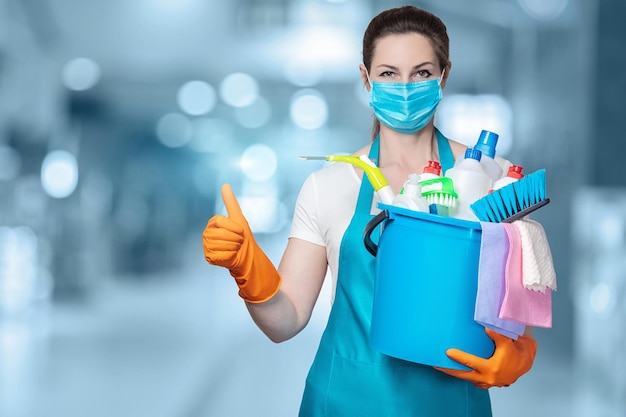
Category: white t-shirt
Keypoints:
(324, 209)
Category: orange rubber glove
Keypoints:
(510, 360)
(228, 242)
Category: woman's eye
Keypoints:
(423, 74)
(387, 74)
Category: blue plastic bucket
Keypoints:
(425, 289)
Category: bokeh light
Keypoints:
(196, 97)
(308, 109)
(80, 74)
(239, 90)
(259, 162)
(174, 130)
(59, 174)
(264, 214)
(602, 298)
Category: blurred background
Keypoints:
(119, 121)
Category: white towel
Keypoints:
(537, 265)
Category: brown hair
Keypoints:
(402, 20)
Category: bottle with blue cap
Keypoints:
(470, 181)
(486, 144)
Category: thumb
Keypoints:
(232, 206)
(497, 338)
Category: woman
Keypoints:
(405, 66)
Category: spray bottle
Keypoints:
(411, 195)
(374, 174)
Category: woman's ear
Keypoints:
(366, 82)
(446, 74)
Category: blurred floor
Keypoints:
(184, 346)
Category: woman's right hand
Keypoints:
(224, 236)
(228, 242)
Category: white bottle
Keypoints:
(486, 144)
(471, 182)
(514, 174)
(411, 195)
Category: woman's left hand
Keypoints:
(510, 360)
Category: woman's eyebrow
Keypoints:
(390, 67)
(393, 68)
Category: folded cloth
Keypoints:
(537, 266)
(494, 250)
(532, 308)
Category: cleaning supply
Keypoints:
(431, 171)
(471, 182)
(411, 195)
(486, 144)
(419, 312)
(514, 174)
(228, 242)
(538, 272)
(494, 250)
(519, 304)
(440, 195)
(510, 360)
(374, 174)
(437, 192)
(513, 201)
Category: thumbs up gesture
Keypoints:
(228, 242)
(226, 238)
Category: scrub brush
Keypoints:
(513, 201)
(374, 174)
(439, 194)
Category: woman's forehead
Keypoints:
(409, 49)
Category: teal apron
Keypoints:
(348, 378)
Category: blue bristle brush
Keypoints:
(513, 201)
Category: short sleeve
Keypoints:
(305, 223)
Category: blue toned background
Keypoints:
(119, 121)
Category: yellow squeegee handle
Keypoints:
(374, 174)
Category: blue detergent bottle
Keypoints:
(486, 144)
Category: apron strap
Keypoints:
(445, 152)
(366, 192)
(373, 155)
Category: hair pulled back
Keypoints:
(400, 21)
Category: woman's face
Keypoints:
(403, 59)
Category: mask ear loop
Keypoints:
(442, 74)
(367, 74)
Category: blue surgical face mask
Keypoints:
(405, 107)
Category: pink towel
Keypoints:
(520, 304)
(494, 250)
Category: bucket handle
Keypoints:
(369, 228)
